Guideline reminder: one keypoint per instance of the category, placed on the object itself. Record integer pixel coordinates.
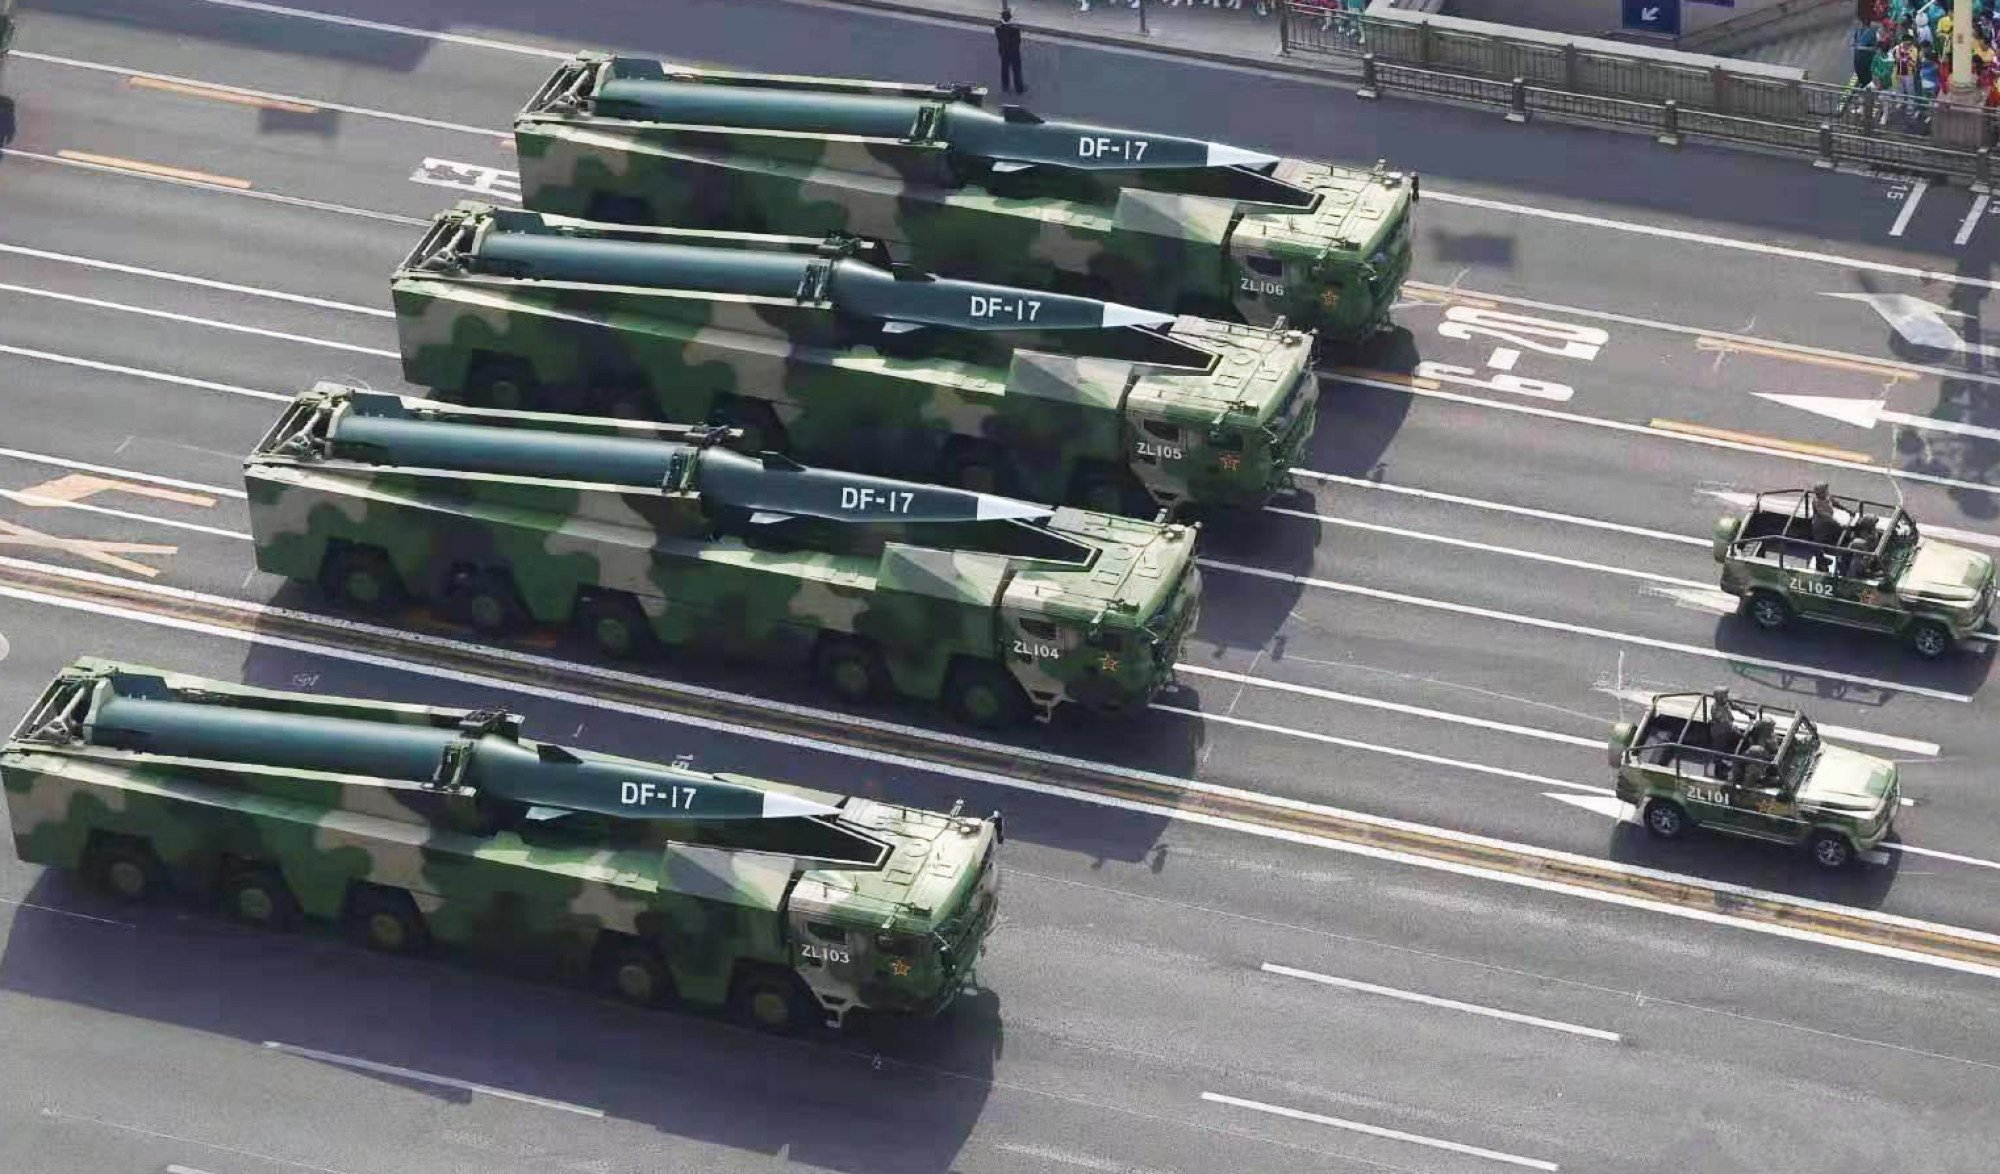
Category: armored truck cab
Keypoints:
(416, 825)
(822, 348)
(649, 536)
(1165, 222)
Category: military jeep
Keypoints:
(1860, 564)
(1701, 759)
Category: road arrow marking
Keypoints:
(1609, 806)
(1920, 322)
(1867, 413)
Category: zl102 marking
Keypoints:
(1817, 587)
(888, 501)
(1020, 309)
(645, 794)
(1102, 147)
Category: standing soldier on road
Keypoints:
(1009, 35)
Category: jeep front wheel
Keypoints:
(1666, 819)
(1831, 850)
(1929, 639)
(1768, 611)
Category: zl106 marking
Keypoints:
(889, 501)
(645, 794)
(1020, 309)
(1101, 146)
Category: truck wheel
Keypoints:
(361, 577)
(618, 628)
(1768, 611)
(632, 972)
(1831, 850)
(127, 870)
(487, 601)
(256, 894)
(497, 382)
(1666, 819)
(851, 669)
(982, 694)
(771, 1002)
(387, 920)
(1929, 639)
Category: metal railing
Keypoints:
(1740, 32)
(1672, 100)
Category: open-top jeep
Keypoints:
(1752, 770)
(1857, 563)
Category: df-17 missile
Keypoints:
(388, 429)
(142, 714)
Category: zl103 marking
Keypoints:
(1020, 309)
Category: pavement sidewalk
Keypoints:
(1233, 36)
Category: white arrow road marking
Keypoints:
(1609, 806)
(1867, 413)
(1918, 321)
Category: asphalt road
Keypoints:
(1470, 587)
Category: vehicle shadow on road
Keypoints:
(1820, 648)
(1714, 856)
(901, 1100)
(246, 29)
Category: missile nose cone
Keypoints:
(1117, 315)
(778, 805)
(1224, 155)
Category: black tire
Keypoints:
(771, 1002)
(361, 578)
(127, 870)
(983, 695)
(387, 921)
(1831, 850)
(1768, 610)
(1930, 639)
(761, 430)
(850, 669)
(633, 972)
(1666, 819)
(486, 599)
(617, 627)
(505, 383)
(256, 894)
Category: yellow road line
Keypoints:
(1771, 442)
(134, 165)
(1729, 346)
(194, 91)
(1399, 378)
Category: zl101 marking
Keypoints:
(1102, 147)
(646, 795)
(1020, 309)
(888, 501)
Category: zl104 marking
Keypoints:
(1020, 309)
(889, 501)
(1102, 146)
(1036, 650)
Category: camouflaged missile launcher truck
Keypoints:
(820, 349)
(646, 535)
(1160, 221)
(413, 826)
(6, 33)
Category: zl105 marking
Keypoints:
(888, 501)
(1161, 452)
(1101, 146)
(1020, 309)
(645, 794)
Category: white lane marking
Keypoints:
(191, 320)
(1837, 733)
(1971, 220)
(18, 904)
(429, 1078)
(140, 373)
(29, 499)
(1378, 1131)
(1910, 203)
(1389, 706)
(1913, 850)
(250, 193)
(186, 279)
(1702, 238)
(1609, 806)
(122, 1127)
(1445, 1004)
(177, 1168)
(1743, 501)
(1374, 748)
(1071, 1158)
(1708, 599)
(1502, 507)
(1580, 630)
(1660, 434)
(533, 667)
(383, 27)
(1484, 547)
(38, 458)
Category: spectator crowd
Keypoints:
(1903, 48)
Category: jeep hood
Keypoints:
(1942, 573)
(1848, 780)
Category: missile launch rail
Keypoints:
(416, 826)
(1158, 220)
(815, 347)
(651, 537)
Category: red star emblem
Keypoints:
(1329, 298)
(900, 967)
(1230, 460)
(1110, 663)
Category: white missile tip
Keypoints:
(1224, 155)
(1117, 315)
(778, 805)
(995, 509)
